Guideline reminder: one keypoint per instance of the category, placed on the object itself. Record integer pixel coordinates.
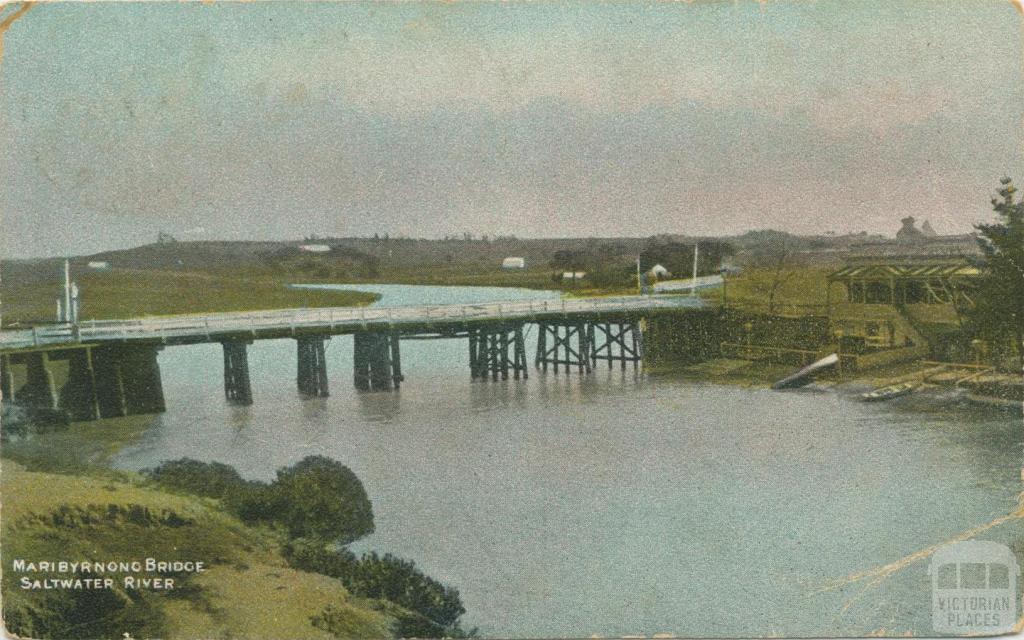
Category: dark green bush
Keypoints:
(210, 479)
(315, 498)
(437, 608)
(321, 498)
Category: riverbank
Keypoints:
(62, 502)
(936, 383)
(245, 588)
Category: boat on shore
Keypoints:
(889, 392)
(805, 376)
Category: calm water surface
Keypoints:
(617, 503)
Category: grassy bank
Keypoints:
(63, 502)
(247, 590)
(123, 293)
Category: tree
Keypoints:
(998, 315)
(775, 256)
(322, 498)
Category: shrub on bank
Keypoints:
(315, 498)
(437, 608)
(321, 498)
(209, 479)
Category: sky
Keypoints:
(280, 120)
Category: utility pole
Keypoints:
(725, 291)
(639, 284)
(693, 283)
(67, 290)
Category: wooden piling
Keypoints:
(237, 384)
(311, 369)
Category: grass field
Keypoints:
(800, 286)
(123, 293)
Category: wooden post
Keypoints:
(542, 346)
(6, 379)
(520, 353)
(39, 389)
(361, 362)
(78, 396)
(396, 361)
(110, 391)
(311, 366)
(237, 386)
(380, 363)
(473, 366)
(503, 347)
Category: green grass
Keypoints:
(800, 286)
(248, 590)
(133, 293)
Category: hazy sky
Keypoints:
(273, 120)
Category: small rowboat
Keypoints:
(806, 375)
(888, 393)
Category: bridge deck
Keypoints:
(257, 325)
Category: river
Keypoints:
(617, 503)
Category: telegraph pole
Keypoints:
(67, 290)
(693, 283)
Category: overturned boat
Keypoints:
(805, 376)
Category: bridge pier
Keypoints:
(312, 366)
(6, 379)
(555, 345)
(626, 336)
(39, 389)
(237, 386)
(127, 381)
(489, 352)
(78, 395)
(377, 361)
(144, 392)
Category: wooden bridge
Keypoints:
(109, 367)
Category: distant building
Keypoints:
(659, 272)
(165, 238)
(99, 265)
(908, 232)
(574, 275)
(314, 248)
(512, 263)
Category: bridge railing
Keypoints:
(330, 317)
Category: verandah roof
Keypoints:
(903, 272)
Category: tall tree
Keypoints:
(999, 309)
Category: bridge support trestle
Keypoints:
(555, 345)
(616, 341)
(377, 361)
(237, 386)
(489, 352)
(312, 366)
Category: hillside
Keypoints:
(247, 590)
